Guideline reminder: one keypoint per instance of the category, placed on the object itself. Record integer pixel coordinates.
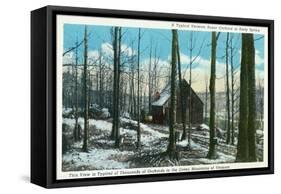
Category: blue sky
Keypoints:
(161, 39)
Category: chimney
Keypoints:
(157, 96)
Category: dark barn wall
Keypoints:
(157, 114)
(197, 112)
(160, 113)
(197, 105)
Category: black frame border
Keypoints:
(43, 126)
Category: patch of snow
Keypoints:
(103, 141)
(154, 133)
(148, 136)
(104, 113)
(183, 143)
(204, 126)
(71, 122)
(96, 106)
(66, 110)
(100, 159)
(126, 115)
(259, 132)
(127, 132)
(104, 109)
(197, 146)
(222, 158)
(127, 120)
(101, 124)
(145, 128)
(205, 136)
(193, 145)
(98, 124)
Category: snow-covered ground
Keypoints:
(110, 158)
(154, 141)
(97, 159)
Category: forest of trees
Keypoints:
(122, 86)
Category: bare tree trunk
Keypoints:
(130, 97)
(206, 99)
(134, 107)
(154, 74)
(183, 103)
(117, 131)
(232, 90)
(132, 88)
(89, 86)
(85, 88)
(242, 146)
(144, 101)
(190, 92)
(76, 129)
(192, 59)
(251, 99)
(101, 96)
(260, 102)
(212, 142)
(124, 99)
(97, 87)
(141, 95)
(121, 92)
(149, 81)
(115, 80)
(227, 91)
(138, 111)
(172, 144)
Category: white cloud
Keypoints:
(69, 58)
(258, 59)
(185, 59)
(107, 49)
(161, 62)
(202, 64)
(128, 51)
(201, 68)
(93, 55)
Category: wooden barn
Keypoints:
(161, 105)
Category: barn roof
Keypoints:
(164, 96)
(166, 93)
